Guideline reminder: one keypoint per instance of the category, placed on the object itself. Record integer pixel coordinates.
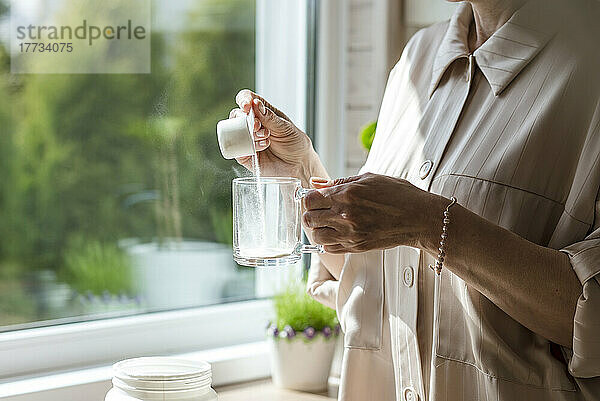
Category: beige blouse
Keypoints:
(513, 132)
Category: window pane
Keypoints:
(114, 198)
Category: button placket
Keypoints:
(436, 139)
(406, 296)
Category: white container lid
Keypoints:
(161, 373)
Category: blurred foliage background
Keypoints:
(88, 160)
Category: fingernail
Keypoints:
(262, 143)
(320, 182)
(261, 106)
(260, 134)
(257, 103)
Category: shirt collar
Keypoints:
(505, 53)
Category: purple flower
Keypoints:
(337, 329)
(327, 331)
(287, 332)
(309, 332)
(272, 330)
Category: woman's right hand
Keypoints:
(283, 149)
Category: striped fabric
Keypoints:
(513, 132)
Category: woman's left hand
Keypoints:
(370, 211)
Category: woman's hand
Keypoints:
(370, 211)
(283, 149)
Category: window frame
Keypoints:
(38, 351)
(331, 84)
(54, 348)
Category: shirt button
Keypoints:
(409, 394)
(408, 276)
(425, 169)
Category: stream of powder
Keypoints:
(261, 201)
(256, 168)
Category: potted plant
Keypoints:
(302, 341)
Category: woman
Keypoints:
(499, 108)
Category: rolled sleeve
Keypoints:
(321, 285)
(585, 259)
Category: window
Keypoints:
(115, 204)
(114, 198)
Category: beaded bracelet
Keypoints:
(439, 263)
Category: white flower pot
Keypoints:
(300, 364)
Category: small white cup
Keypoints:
(235, 136)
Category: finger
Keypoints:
(319, 182)
(262, 133)
(257, 124)
(269, 119)
(262, 144)
(325, 236)
(346, 180)
(320, 218)
(316, 200)
(335, 249)
(244, 99)
(259, 99)
(338, 185)
(236, 113)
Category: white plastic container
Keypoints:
(161, 378)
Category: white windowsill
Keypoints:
(232, 364)
(97, 343)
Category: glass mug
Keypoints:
(267, 229)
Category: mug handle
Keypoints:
(303, 248)
(300, 193)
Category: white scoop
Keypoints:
(235, 136)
